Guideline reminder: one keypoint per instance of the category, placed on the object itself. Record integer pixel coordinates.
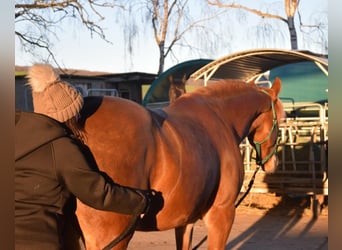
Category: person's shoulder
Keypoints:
(41, 124)
(68, 149)
(33, 130)
(69, 141)
(27, 115)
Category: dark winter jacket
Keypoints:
(50, 170)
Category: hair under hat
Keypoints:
(51, 96)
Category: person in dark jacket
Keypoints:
(52, 169)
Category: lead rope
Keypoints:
(250, 184)
(131, 227)
(123, 235)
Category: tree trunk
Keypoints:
(293, 33)
(161, 57)
(290, 9)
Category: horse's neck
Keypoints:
(241, 112)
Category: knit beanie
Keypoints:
(51, 96)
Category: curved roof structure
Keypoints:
(249, 64)
(159, 89)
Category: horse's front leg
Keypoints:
(219, 221)
(184, 237)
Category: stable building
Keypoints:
(125, 85)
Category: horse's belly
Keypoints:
(185, 198)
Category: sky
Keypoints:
(76, 49)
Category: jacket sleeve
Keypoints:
(89, 185)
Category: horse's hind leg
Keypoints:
(184, 237)
(219, 221)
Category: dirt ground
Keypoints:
(262, 222)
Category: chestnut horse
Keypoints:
(177, 88)
(188, 152)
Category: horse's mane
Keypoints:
(225, 89)
(230, 90)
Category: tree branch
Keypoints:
(42, 15)
(242, 7)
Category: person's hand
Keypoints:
(149, 196)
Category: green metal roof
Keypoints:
(301, 82)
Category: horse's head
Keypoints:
(264, 129)
(177, 88)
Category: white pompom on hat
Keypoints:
(51, 96)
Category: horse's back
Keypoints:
(113, 109)
(118, 134)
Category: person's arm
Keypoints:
(91, 186)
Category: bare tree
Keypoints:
(37, 21)
(160, 23)
(291, 8)
(171, 21)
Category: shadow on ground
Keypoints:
(281, 225)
